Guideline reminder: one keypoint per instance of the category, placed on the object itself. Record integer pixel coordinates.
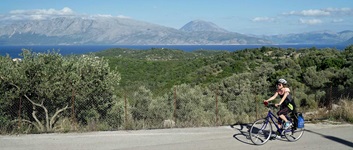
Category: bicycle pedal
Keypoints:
(274, 137)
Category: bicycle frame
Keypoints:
(270, 117)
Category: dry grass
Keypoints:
(344, 111)
(341, 112)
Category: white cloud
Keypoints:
(263, 19)
(64, 11)
(310, 21)
(340, 11)
(321, 12)
(37, 14)
(122, 16)
(108, 16)
(43, 14)
(313, 12)
(100, 15)
(310, 12)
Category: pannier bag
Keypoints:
(300, 120)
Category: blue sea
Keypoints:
(15, 51)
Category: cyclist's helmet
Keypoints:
(282, 81)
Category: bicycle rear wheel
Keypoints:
(260, 131)
(293, 134)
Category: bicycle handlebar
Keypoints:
(269, 105)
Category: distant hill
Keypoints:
(348, 42)
(315, 37)
(125, 31)
(199, 25)
(114, 30)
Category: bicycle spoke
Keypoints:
(293, 135)
(257, 138)
(260, 132)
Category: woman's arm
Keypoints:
(272, 98)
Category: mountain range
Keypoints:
(125, 31)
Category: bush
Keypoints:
(344, 111)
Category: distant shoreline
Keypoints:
(14, 50)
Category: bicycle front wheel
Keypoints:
(293, 134)
(260, 131)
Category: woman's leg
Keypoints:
(281, 114)
(283, 117)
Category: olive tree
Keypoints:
(11, 96)
(48, 82)
(141, 99)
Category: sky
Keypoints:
(259, 17)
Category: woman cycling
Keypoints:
(286, 104)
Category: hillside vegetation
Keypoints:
(158, 69)
(317, 77)
(133, 89)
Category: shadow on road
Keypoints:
(333, 138)
(243, 136)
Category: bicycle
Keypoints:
(261, 130)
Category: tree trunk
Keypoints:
(49, 122)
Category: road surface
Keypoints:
(316, 137)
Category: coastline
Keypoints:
(15, 50)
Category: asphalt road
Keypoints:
(316, 137)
